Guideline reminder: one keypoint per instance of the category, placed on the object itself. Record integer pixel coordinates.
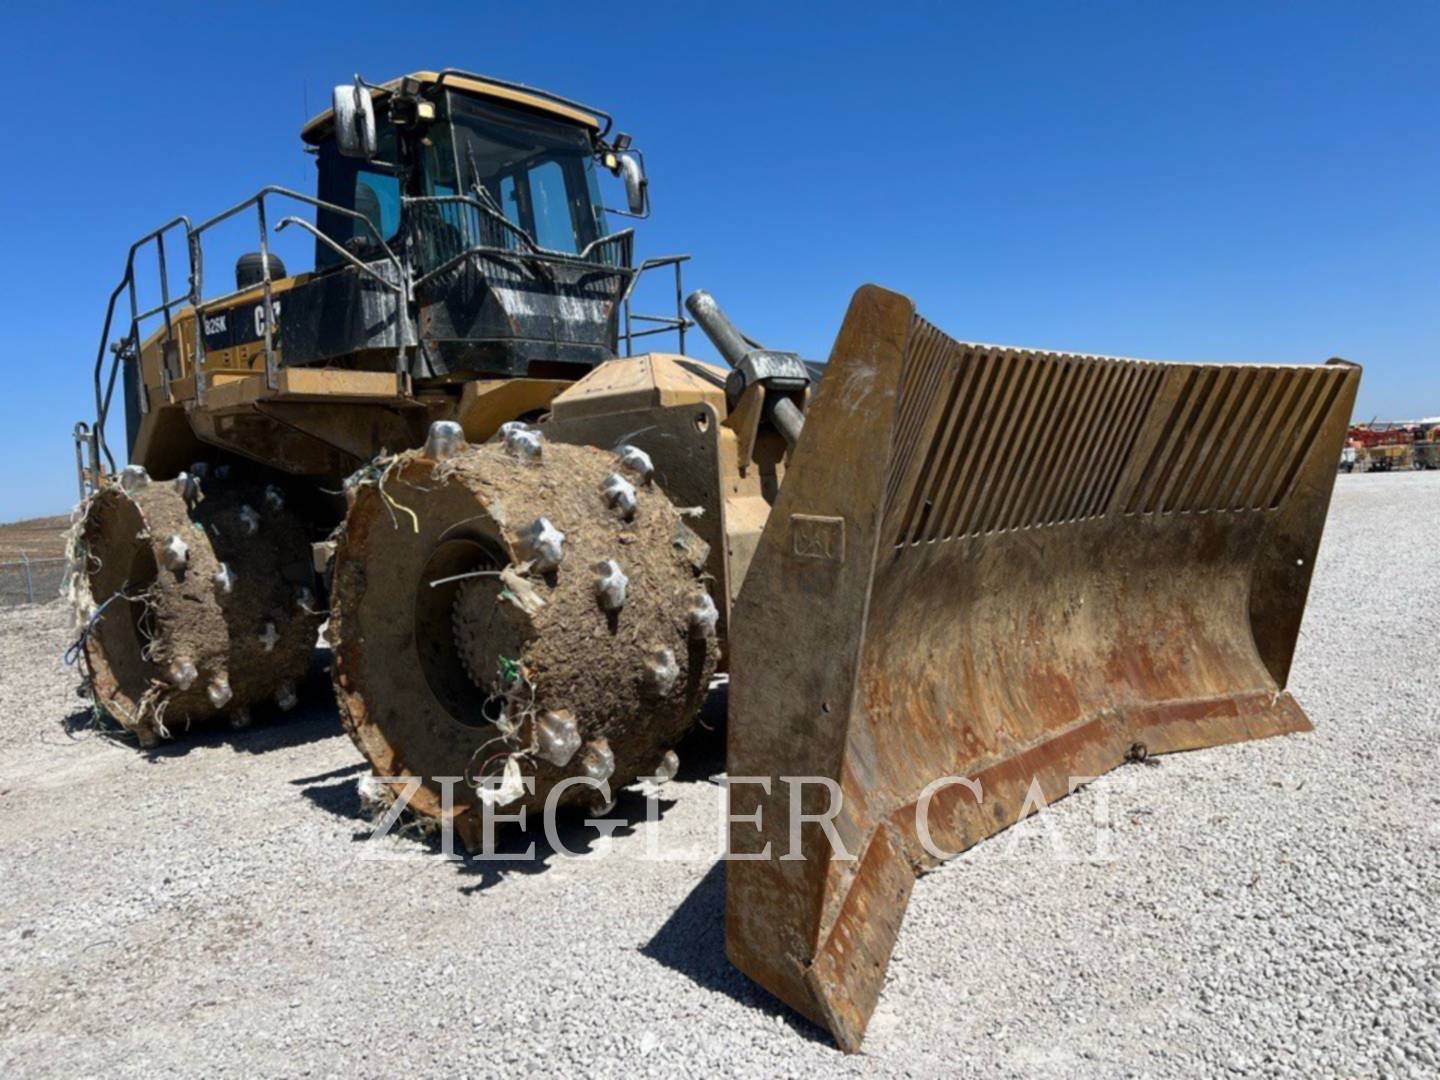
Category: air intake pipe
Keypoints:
(250, 269)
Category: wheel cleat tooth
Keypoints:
(610, 585)
(597, 760)
(543, 545)
(133, 478)
(668, 767)
(182, 674)
(274, 499)
(702, 616)
(662, 670)
(558, 736)
(175, 553)
(224, 579)
(219, 692)
(445, 439)
(200, 470)
(285, 697)
(619, 495)
(240, 718)
(187, 487)
(636, 461)
(268, 637)
(249, 520)
(522, 441)
(304, 598)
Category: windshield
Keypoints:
(539, 173)
(536, 172)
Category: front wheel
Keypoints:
(496, 616)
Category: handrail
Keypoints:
(268, 307)
(509, 226)
(678, 323)
(128, 349)
(394, 286)
(127, 281)
(105, 388)
(320, 204)
(608, 238)
(89, 476)
(506, 253)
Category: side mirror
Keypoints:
(636, 186)
(354, 121)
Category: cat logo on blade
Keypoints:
(822, 538)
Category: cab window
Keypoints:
(371, 188)
(555, 228)
(539, 172)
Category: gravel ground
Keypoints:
(1272, 907)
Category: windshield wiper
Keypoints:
(482, 195)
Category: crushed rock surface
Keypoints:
(1271, 908)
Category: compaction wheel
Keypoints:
(194, 599)
(517, 609)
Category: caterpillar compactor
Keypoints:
(939, 574)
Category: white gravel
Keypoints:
(1272, 907)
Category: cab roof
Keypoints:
(317, 127)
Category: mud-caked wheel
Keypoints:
(194, 600)
(526, 612)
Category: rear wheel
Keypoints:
(194, 601)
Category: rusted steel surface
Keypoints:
(1011, 567)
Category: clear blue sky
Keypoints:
(1199, 181)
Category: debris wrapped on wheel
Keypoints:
(991, 573)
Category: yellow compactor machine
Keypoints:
(922, 563)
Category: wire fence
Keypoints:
(30, 581)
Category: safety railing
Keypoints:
(268, 306)
(443, 232)
(130, 344)
(657, 324)
(87, 459)
(127, 349)
(447, 230)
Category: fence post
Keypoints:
(29, 582)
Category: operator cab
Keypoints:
(538, 172)
(486, 195)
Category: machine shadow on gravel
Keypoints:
(313, 718)
(702, 758)
(692, 942)
(340, 796)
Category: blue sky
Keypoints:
(1202, 181)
